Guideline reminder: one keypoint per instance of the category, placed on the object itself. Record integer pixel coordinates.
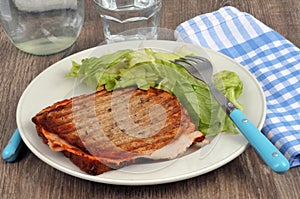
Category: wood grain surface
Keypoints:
(244, 177)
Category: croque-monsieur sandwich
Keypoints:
(108, 130)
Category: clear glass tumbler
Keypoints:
(42, 27)
(129, 19)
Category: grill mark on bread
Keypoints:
(93, 125)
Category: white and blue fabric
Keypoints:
(270, 57)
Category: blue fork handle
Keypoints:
(267, 151)
(12, 149)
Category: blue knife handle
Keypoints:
(12, 149)
(267, 151)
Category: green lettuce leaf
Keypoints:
(147, 68)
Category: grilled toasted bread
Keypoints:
(108, 130)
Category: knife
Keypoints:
(13, 148)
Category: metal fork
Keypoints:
(202, 69)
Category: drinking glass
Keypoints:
(129, 19)
(42, 27)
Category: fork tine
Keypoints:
(203, 59)
(190, 65)
(189, 61)
(181, 61)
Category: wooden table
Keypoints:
(245, 177)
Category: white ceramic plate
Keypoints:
(51, 86)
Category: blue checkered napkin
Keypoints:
(273, 60)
